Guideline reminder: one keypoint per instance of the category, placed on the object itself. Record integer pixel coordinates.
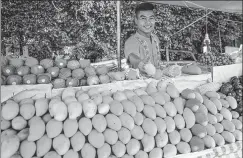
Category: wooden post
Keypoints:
(220, 43)
(118, 32)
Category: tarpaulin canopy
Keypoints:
(225, 6)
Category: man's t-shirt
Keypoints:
(133, 45)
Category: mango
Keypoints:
(218, 127)
(189, 117)
(232, 102)
(228, 125)
(119, 149)
(36, 128)
(113, 122)
(174, 137)
(179, 104)
(149, 127)
(237, 123)
(238, 135)
(209, 141)
(156, 153)
(210, 106)
(197, 144)
(70, 127)
(133, 146)
(27, 148)
(212, 118)
(111, 136)
(170, 124)
(212, 94)
(116, 108)
(138, 118)
(104, 151)
(54, 128)
(43, 145)
(217, 103)
(183, 148)
(99, 123)
(126, 120)
(125, 135)
(228, 137)
(179, 121)
(161, 139)
(77, 141)
(159, 110)
(129, 107)
(210, 129)
(85, 125)
(188, 94)
(201, 118)
(61, 144)
(172, 91)
(193, 104)
(186, 134)
(96, 139)
(169, 150)
(226, 114)
(170, 109)
(138, 102)
(159, 99)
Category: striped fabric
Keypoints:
(233, 150)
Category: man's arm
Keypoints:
(132, 53)
(135, 61)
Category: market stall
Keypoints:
(75, 108)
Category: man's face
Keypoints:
(145, 21)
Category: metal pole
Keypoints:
(118, 5)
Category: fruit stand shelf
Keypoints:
(180, 83)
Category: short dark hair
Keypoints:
(144, 7)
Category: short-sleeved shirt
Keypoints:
(133, 45)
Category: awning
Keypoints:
(224, 6)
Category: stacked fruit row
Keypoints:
(234, 88)
(215, 59)
(155, 121)
(60, 72)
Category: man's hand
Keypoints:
(150, 69)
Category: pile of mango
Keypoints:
(215, 59)
(60, 72)
(149, 122)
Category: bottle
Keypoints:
(206, 44)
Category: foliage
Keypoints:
(47, 27)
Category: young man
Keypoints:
(142, 48)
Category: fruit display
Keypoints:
(234, 88)
(215, 59)
(63, 73)
(60, 72)
(154, 121)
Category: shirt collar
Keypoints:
(143, 37)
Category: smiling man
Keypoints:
(142, 48)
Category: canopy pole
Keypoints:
(220, 43)
(118, 32)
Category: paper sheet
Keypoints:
(224, 73)
(10, 90)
